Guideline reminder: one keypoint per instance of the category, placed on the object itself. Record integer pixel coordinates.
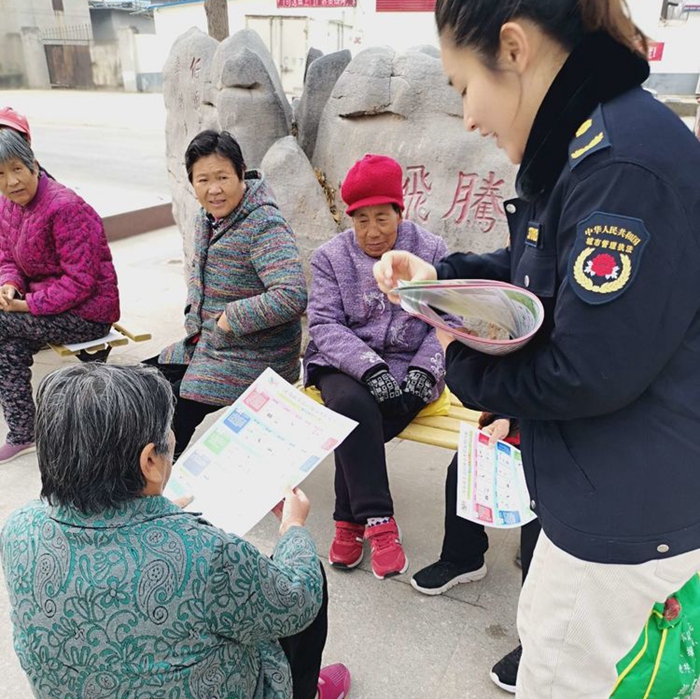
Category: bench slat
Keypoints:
(63, 351)
(465, 414)
(132, 334)
(128, 334)
(430, 435)
(440, 422)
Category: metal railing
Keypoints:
(133, 5)
(68, 34)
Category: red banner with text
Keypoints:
(287, 4)
(405, 5)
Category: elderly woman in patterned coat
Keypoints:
(371, 360)
(57, 280)
(247, 290)
(116, 592)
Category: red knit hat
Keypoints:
(14, 120)
(376, 179)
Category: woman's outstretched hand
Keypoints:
(293, 510)
(399, 265)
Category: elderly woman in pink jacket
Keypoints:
(57, 280)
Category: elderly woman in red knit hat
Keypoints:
(370, 359)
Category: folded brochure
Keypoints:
(509, 310)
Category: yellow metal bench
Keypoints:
(98, 350)
(436, 430)
(441, 430)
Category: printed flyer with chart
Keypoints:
(491, 488)
(271, 437)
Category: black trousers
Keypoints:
(188, 413)
(304, 651)
(465, 543)
(361, 480)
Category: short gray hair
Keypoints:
(92, 423)
(14, 147)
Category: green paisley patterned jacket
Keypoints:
(149, 602)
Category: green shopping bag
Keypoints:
(664, 663)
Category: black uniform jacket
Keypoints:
(606, 231)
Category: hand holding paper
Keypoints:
(491, 487)
(397, 266)
(273, 436)
(497, 431)
(293, 510)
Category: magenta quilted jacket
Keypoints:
(54, 250)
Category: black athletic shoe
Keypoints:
(505, 672)
(441, 576)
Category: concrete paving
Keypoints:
(396, 642)
(107, 146)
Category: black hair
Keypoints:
(220, 142)
(477, 24)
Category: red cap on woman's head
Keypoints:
(376, 179)
(14, 120)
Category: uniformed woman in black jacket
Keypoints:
(605, 230)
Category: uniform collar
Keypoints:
(597, 70)
(127, 514)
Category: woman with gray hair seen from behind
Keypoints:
(115, 590)
(57, 280)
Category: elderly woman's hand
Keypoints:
(15, 306)
(444, 338)
(183, 501)
(7, 293)
(222, 322)
(498, 430)
(399, 265)
(293, 510)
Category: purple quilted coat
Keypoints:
(54, 250)
(353, 326)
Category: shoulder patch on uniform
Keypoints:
(591, 137)
(606, 255)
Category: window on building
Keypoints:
(57, 5)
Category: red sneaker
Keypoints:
(388, 557)
(334, 682)
(347, 547)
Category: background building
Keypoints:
(114, 25)
(44, 42)
(124, 43)
(674, 26)
(289, 28)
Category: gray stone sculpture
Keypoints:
(401, 105)
(397, 104)
(427, 49)
(248, 39)
(246, 101)
(186, 78)
(321, 78)
(311, 56)
(300, 197)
